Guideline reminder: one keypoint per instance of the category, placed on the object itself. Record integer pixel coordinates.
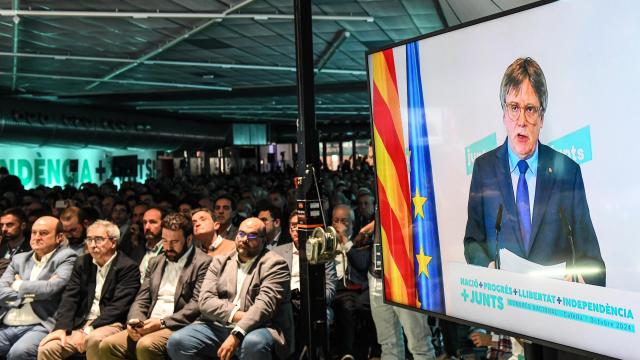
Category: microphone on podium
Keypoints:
(569, 232)
(498, 228)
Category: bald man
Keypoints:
(30, 290)
(244, 304)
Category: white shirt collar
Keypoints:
(45, 258)
(106, 265)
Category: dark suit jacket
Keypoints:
(558, 185)
(45, 291)
(331, 277)
(119, 289)
(265, 297)
(187, 291)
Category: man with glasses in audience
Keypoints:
(244, 303)
(30, 290)
(271, 217)
(94, 304)
(168, 298)
(351, 303)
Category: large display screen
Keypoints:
(506, 176)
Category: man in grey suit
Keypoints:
(290, 253)
(30, 290)
(244, 302)
(168, 298)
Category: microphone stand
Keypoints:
(498, 228)
(574, 276)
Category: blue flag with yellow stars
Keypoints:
(426, 246)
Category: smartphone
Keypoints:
(62, 204)
(135, 323)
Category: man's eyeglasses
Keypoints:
(531, 112)
(344, 221)
(97, 239)
(243, 235)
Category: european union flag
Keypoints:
(426, 246)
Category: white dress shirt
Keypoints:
(243, 271)
(295, 269)
(25, 315)
(165, 304)
(341, 259)
(101, 275)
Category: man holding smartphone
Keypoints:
(168, 298)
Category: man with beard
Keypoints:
(12, 224)
(244, 302)
(94, 303)
(205, 232)
(271, 216)
(74, 224)
(30, 290)
(168, 298)
(152, 230)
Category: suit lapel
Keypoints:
(109, 278)
(184, 275)
(28, 267)
(510, 220)
(91, 286)
(231, 274)
(156, 280)
(289, 255)
(249, 279)
(545, 181)
(48, 268)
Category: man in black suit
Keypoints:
(168, 298)
(13, 223)
(540, 189)
(95, 302)
(271, 216)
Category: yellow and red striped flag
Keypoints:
(393, 183)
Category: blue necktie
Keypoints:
(522, 202)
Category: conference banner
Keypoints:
(51, 166)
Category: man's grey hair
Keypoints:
(113, 231)
(520, 70)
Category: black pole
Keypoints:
(312, 277)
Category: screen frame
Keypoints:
(377, 225)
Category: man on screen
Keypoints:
(540, 190)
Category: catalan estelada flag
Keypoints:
(426, 245)
(393, 183)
